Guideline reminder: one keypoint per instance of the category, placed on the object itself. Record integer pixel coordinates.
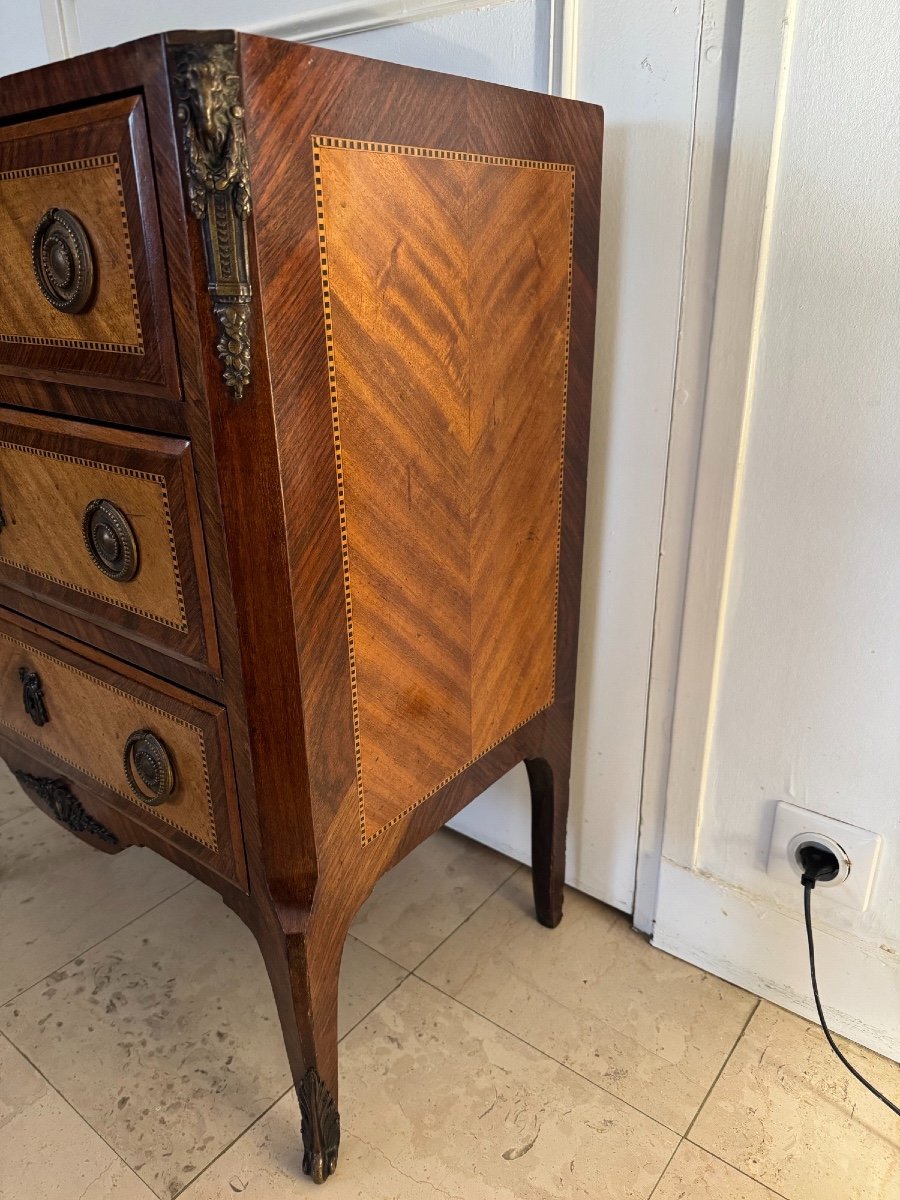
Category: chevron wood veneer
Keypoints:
(446, 280)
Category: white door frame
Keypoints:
(739, 106)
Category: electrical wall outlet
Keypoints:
(857, 852)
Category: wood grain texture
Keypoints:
(91, 189)
(89, 724)
(44, 496)
(90, 714)
(446, 283)
(50, 472)
(85, 163)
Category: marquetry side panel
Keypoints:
(446, 281)
(89, 721)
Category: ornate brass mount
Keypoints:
(206, 84)
(320, 1126)
(64, 806)
(110, 540)
(33, 696)
(148, 767)
(62, 260)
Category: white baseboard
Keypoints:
(762, 948)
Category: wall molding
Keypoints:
(353, 16)
(312, 24)
(718, 58)
(723, 287)
(564, 24)
(60, 23)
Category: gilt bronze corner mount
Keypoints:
(206, 86)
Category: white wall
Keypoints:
(23, 43)
(803, 699)
(507, 44)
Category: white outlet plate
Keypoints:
(861, 847)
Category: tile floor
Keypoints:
(483, 1057)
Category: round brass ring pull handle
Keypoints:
(148, 767)
(110, 540)
(62, 260)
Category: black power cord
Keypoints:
(820, 866)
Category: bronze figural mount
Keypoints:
(294, 406)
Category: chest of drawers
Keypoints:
(295, 368)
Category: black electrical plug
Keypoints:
(820, 865)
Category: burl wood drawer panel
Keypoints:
(161, 756)
(104, 523)
(84, 293)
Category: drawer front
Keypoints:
(86, 298)
(161, 757)
(104, 523)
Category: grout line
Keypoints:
(516, 867)
(17, 816)
(666, 1168)
(377, 1003)
(566, 1066)
(237, 1137)
(725, 1162)
(408, 973)
(81, 1117)
(544, 1054)
(728, 1056)
(99, 942)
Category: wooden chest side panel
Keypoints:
(446, 279)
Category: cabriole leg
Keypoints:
(304, 969)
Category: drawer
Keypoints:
(85, 298)
(104, 523)
(160, 755)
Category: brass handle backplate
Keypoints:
(110, 540)
(148, 767)
(62, 260)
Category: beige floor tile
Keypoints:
(596, 996)
(165, 1036)
(438, 1102)
(427, 895)
(787, 1113)
(695, 1175)
(13, 800)
(47, 1152)
(59, 896)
